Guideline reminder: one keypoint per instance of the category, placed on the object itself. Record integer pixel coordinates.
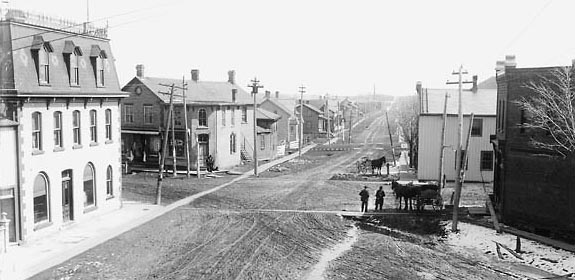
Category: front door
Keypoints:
(203, 141)
(67, 197)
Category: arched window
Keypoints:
(89, 186)
(44, 65)
(41, 200)
(109, 182)
(108, 124)
(75, 67)
(37, 131)
(58, 130)
(202, 117)
(232, 143)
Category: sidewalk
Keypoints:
(37, 255)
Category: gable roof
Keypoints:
(311, 107)
(262, 114)
(279, 105)
(490, 83)
(200, 92)
(482, 102)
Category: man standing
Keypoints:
(364, 195)
(379, 195)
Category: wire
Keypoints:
(96, 20)
(527, 26)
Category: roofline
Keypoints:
(278, 105)
(40, 95)
(455, 115)
(53, 30)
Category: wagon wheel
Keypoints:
(364, 167)
(438, 203)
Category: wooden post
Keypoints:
(174, 159)
(187, 136)
(442, 146)
(164, 149)
(390, 139)
(198, 156)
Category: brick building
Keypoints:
(59, 123)
(533, 187)
(220, 120)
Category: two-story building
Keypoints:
(267, 133)
(479, 101)
(314, 121)
(533, 187)
(59, 123)
(288, 123)
(220, 120)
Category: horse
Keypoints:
(376, 164)
(408, 192)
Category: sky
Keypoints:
(330, 46)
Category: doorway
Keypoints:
(67, 196)
(203, 141)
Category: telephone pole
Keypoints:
(328, 117)
(390, 140)
(301, 92)
(187, 135)
(458, 158)
(255, 86)
(164, 149)
(442, 147)
(172, 119)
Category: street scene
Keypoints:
(318, 160)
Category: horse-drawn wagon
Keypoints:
(421, 193)
(363, 165)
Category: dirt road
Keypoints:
(279, 226)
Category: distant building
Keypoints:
(220, 120)
(533, 188)
(59, 124)
(267, 133)
(314, 121)
(288, 124)
(481, 102)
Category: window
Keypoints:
(76, 123)
(202, 118)
(41, 201)
(108, 124)
(477, 127)
(487, 160)
(244, 114)
(58, 129)
(262, 142)
(129, 113)
(232, 143)
(89, 186)
(100, 60)
(37, 131)
(224, 116)
(233, 117)
(109, 182)
(74, 67)
(93, 126)
(44, 65)
(148, 114)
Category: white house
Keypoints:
(479, 100)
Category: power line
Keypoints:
(96, 20)
(527, 26)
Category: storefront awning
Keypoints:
(145, 132)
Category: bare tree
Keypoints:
(549, 112)
(404, 109)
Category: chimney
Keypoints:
(474, 87)
(234, 93)
(277, 94)
(267, 94)
(232, 77)
(510, 61)
(195, 75)
(418, 87)
(140, 71)
(499, 66)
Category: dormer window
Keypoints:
(72, 55)
(98, 58)
(41, 52)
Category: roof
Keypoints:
(267, 115)
(482, 102)
(280, 105)
(200, 91)
(311, 107)
(490, 83)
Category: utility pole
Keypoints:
(301, 92)
(172, 119)
(187, 136)
(350, 124)
(328, 124)
(390, 140)
(458, 158)
(255, 86)
(442, 147)
(164, 149)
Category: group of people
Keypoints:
(364, 196)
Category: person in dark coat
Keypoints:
(364, 195)
(379, 195)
